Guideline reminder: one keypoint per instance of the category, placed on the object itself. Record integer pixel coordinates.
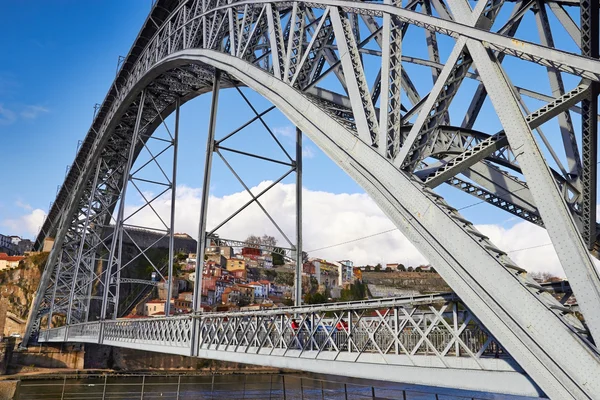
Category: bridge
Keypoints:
(351, 76)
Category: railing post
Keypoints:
(345, 392)
(404, 395)
(143, 383)
(212, 386)
(62, 395)
(244, 393)
(373, 392)
(301, 389)
(104, 388)
(322, 392)
(270, 386)
(178, 386)
(283, 385)
(396, 331)
(350, 330)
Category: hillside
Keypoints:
(387, 284)
(18, 285)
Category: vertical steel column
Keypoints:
(172, 222)
(210, 147)
(589, 124)
(90, 287)
(57, 277)
(455, 319)
(82, 242)
(298, 277)
(117, 236)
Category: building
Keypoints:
(6, 244)
(345, 271)
(236, 264)
(162, 288)
(265, 261)
(220, 286)
(225, 251)
(155, 308)
(251, 252)
(25, 246)
(9, 262)
(260, 290)
(230, 295)
(183, 303)
(327, 273)
(216, 258)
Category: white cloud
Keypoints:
(531, 244)
(24, 206)
(32, 112)
(7, 116)
(308, 151)
(336, 218)
(26, 225)
(287, 131)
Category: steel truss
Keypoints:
(288, 52)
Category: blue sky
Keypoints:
(60, 57)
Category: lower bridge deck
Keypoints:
(429, 340)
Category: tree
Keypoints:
(243, 301)
(378, 268)
(285, 278)
(356, 291)
(266, 240)
(410, 269)
(315, 298)
(418, 269)
(543, 276)
(432, 270)
(368, 268)
(401, 267)
(253, 240)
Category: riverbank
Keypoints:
(61, 373)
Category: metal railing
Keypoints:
(213, 387)
(427, 325)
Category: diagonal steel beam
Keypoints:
(559, 223)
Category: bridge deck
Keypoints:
(429, 340)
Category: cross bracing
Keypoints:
(394, 135)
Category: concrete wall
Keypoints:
(49, 357)
(102, 357)
(8, 390)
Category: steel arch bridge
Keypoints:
(344, 73)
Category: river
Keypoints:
(233, 387)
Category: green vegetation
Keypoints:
(39, 260)
(285, 278)
(356, 291)
(315, 298)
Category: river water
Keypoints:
(233, 387)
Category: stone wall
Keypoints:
(67, 356)
(421, 282)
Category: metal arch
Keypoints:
(380, 183)
(308, 128)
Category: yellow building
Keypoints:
(235, 264)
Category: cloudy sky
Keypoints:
(63, 59)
